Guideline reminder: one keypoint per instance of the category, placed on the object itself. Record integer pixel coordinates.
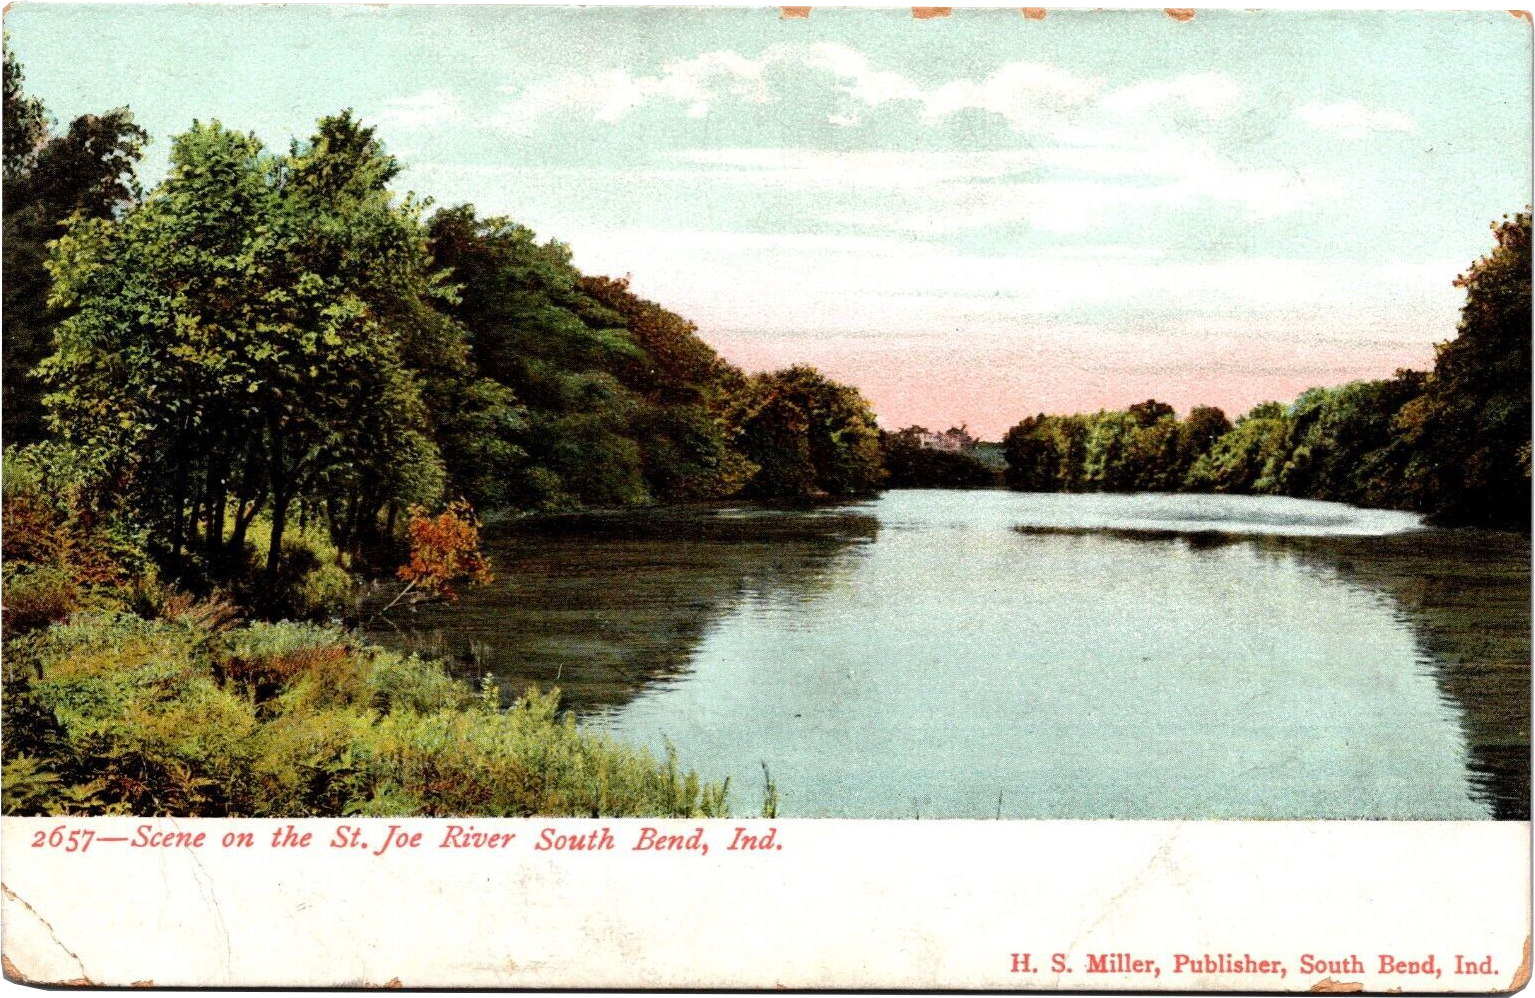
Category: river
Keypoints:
(947, 654)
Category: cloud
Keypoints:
(1353, 120)
(890, 287)
(694, 85)
(1092, 150)
(1028, 96)
(423, 110)
(817, 169)
(1055, 189)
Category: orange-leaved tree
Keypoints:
(445, 550)
(444, 553)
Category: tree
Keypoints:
(444, 552)
(1343, 444)
(26, 120)
(809, 437)
(909, 465)
(533, 330)
(1248, 458)
(1205, 424)
(1147, 413)
(88, 171)
(1033, 455)
(1470, 433)
(239, 338)
(683, 420)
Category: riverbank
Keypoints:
(191, 714)
(914, 654)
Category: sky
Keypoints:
(972, 218)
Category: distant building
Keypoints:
(955, 438)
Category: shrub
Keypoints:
(62, 554)
(110, 713)
(445, 551)
(325, 591)
(38, 597)
(398, 682)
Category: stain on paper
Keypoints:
(1522, 975)
(1329, 986)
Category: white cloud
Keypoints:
(1353, 120)
(695, 85)
(779, 284)
(423, 110)
(1028, 95)
(1068, 189)
(1025, 93)
(817, 169)
(1093, 150)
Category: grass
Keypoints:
(112, 713)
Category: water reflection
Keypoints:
(1116, 657)
(1466, 596)
(605, 605)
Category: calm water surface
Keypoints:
(970, 654)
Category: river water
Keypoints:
(990, 653)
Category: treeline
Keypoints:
(229, 395)
(269, 337)
(909, 464)
(1453, 442)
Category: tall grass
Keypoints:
(110, 713)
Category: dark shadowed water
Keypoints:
(975, 654)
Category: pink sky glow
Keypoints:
(994, 386)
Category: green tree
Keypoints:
(810, 437)
(1344, 445)
(682, 421)
(1033, 455)
(1247, 459)
(533, 330)
(88, 171)
(26, 120)
(1470, 433)
(238, 339)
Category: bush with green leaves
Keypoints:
(111, 713)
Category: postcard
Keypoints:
(766, 497)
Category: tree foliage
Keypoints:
(445, 550)
(808, 436)
(240, 340)
(910, 465)
(1469, 434)
(1453, 442)
(85, 172)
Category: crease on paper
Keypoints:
(14, 973)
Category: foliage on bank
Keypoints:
(1453, 442)
(187, 715)
(911, 465)
(270, 341)
(125, 696)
